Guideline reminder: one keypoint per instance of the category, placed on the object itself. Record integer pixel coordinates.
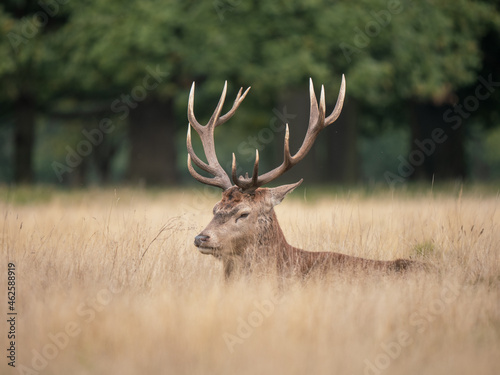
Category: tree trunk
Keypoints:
(437, 149)
(152, 140)
(24, 140)
(103, 157)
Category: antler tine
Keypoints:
(287, 157)
(213, 181)
(245, 183)
(236, 104)
(317, 122)
(219, 179)
(191, 118)
(215, 116)
(338, 106)
(322, 107)
(200, 163)
(206, 133)
(313, 109)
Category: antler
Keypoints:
(317, 122)
(206, 133)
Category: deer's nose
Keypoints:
(200, 239)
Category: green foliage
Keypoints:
(424, 249)
(424, 49)
(97, 50)
(400, 49)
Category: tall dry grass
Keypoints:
(110, 283)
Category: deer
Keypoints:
(244, 229)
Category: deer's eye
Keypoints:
(242, 216)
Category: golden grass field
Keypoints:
(109, 282)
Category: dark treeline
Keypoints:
(95, 91)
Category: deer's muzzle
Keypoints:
(201, 240)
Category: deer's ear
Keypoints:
(279, 193)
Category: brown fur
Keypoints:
(241, 242)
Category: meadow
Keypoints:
(109, 282)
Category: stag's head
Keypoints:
(240, 218)
(244, 216)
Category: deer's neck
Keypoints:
(269, 244)
(271, 238)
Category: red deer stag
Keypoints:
(244, 227)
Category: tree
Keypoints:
(392, 56)
(112, 66)
(166, 39)
(25, 72)
(397, 54)
(129, 66)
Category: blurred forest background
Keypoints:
(95, 91)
